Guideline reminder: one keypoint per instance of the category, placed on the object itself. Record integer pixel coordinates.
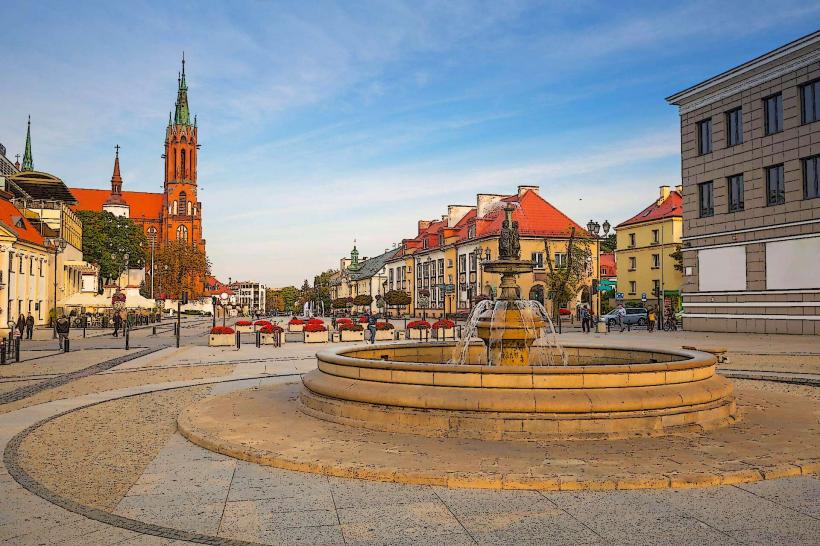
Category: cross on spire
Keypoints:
(117, 147)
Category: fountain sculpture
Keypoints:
(517, 383)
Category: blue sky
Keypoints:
(321, 121)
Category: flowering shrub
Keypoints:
(262, 323)
(381, 326)
(315, 328)
(350, 327)
(419, 325)
(363, 319)
(343, 320)
(295, 321)
(444, 323)
(270, 328)
(243, 323)
(316, 321)
(222, 330)
(564, 311)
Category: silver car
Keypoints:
(634, 315)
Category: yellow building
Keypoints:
(645, 244)
(440, 268)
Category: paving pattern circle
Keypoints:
(777, 437)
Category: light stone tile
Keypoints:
(417, 521)
(801, 493)
(469, 502)
(198, 518)
(348, 493)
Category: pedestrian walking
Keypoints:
(650, 325)
(117, 323)
(621, 314)
(29, 326)
(21, 324)
(585, 319)
(62, 326)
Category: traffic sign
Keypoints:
(619, 295)
(643, 296)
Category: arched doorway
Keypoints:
(537, 293)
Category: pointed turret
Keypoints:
(182, 116)
(354, 257)
(28, 161)
(115, 204)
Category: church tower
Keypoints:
(115, 204)
(183, 211)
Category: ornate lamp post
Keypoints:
(57, 244)
(595, 229)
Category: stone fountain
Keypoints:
(507, 381)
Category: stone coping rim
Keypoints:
(691, 359)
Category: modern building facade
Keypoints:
(645, 248)
(250, 296)
(750, 146)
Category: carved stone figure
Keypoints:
(516, 244)
(509, 247)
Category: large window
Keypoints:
(705, 136)
(656, 236)
(735, 193)
(656, 261)
(631, 239)
(182, 233)
(538, 260)
(633, 287)
(775, 190)
(734, 127)
(811, 177)
(773, 111)
(633, 263)
(706, 199)
(560, 260)
(810, 101)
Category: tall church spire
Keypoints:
(28, 161)
(182, 116)
(116, 182)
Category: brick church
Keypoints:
(174, 214)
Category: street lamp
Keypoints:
(57, 244)
(595, 229)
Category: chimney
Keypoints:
(424, 224)
(485, 201)
(524, 189)
(664, 194)
(679, 188)
(444, 217)
(455, 213)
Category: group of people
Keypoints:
(24, 326)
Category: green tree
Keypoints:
(678, 257)
(564, 282)
(321, 288)
(363, 300)
(108, 238)
(397, 298)
(608, 243)
(290, 297)
(179, 268)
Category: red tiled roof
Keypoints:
(670, 207)
(607, 265)
(535, 217)
(10, 216)
(143, 204)
(218, 285)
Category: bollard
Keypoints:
(66, 344)
(127, 339)
(17, 350)
(153, 330)
(238, 340)
(258, 339)
(3, 352)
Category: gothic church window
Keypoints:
(183, 201)
(182, 233)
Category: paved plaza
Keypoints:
(92, 455)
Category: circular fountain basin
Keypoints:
(602, 392)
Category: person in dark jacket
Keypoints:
(117, 323)
(29, 326)
(21, 324)
(62, 326)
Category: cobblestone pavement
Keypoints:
(186, 492)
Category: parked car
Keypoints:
(634, 315)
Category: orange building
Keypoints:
(174, 214)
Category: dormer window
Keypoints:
(440, 239)
(424, 243)
(471, 231)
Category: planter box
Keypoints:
(315, 337)
(296, 327)
(244, 329)
(384, 335)
(445, 333)
(267, 339)
(418, 334)
(222, 340)
(348, 335)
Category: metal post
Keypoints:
(66, 347)
(54, 323)
(152, 266)
(3, 352)
(127, 338)
(17, 350)
(179, 320)
(258, 339)
(238, 340)
(153, 330)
